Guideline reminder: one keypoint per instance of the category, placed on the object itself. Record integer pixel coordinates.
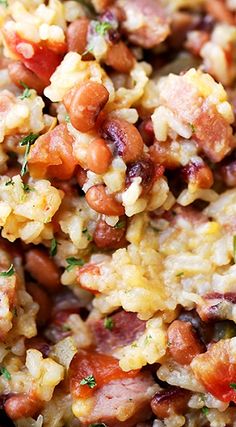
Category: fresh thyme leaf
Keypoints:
(234, 248)
(28, 141)
(89, 237)
(205, 410)
(9, 272)
(4, 3)
(6, 374)
(89, 380)
(10, 182)
(67, 118)
(26, 188)
(72, 262)
(102, 28)
(192, 127)
(88, 50)
(233, 385)
(108, 323)
(26, 93)
(120, 224)
(53, 247)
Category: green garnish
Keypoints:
(53, 247)
(88, 50)
(120, 224)
(27, 188)
(9, 272)
(26, 93)
(192, 127)
(181, 273)
(10, 182)
(89, 380)
(67, 118)
(72, 262)
(234, 248)
(233, 385)
(4, 3)
(28, 141)
(5, 373)
(205, 410)
(102, 28)
(108, 323)
(85, 231)
(98, 425)
(65, 328)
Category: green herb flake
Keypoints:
(120, 224)
(233, 385)
(88, 235)
(53, 247)
(66, 328)
(88, 50)
(26, 188)
(102, 28)
(234, 248)
(26, 93)
(108, 323)
(28, 141)
(192, 127)
(72, 262)
(98, 425)
(67, 118)
(181, 273)
(5, 373)
(89, 380)
(4, 3)
(87, 4)
(14, 312)
(9, 272)
(205, 410)
(10, 182)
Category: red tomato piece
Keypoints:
(103, 368)
(51, 156)
(216, 370)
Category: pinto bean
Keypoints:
(107, 237)
(41, 297)
(84, 103)
(77, 35)
(43, 269)
(218, 9)
(174, 400)
(99, 156)
(184, 344)
(228, 174)
(120, 57)
(144, 169)
(81, 176)
(126, 138)
(22, 405)
(20, 74)
(198, 173)
(102, 202)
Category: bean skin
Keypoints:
(84, 103)
(198, 174)
(144, 169)
(77, 35)
(22, 405)
(19, 73)
(107, 237)
(174, 400)
(99, 156)
(120, 57)
(126, 138)
(102, 202)
(41, 297)
(184, 344)
(43, 269)
(81, 176)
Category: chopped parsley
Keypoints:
(89, 237)
(205, 410)
(26, 188)
(9, 272)
(181, 273)
(65, 328)
(102, 28)
(192, 127)
(108, 323)
(5, 373)
(67, 118)
(26, 93)
(88, 50)
(4, 3)
(89, 380)
(10, 182)
(28, 141)
(234, 248)
(72, 262)
(120, 224)
(233, 385)
(53, 247)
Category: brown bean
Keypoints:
(144, 169)
(99, 156)
(120, 57)
(22, 405)
(174, 400)
(43, 269)
(81, 176)
(162, 153)
(219, 11)
(84, 103)
(107, 237)
(184, 344)
(228, 174)
(102, 202)
(126, 138)
(41, 297)
(77, 35)
(19, 73)
(199, 174)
